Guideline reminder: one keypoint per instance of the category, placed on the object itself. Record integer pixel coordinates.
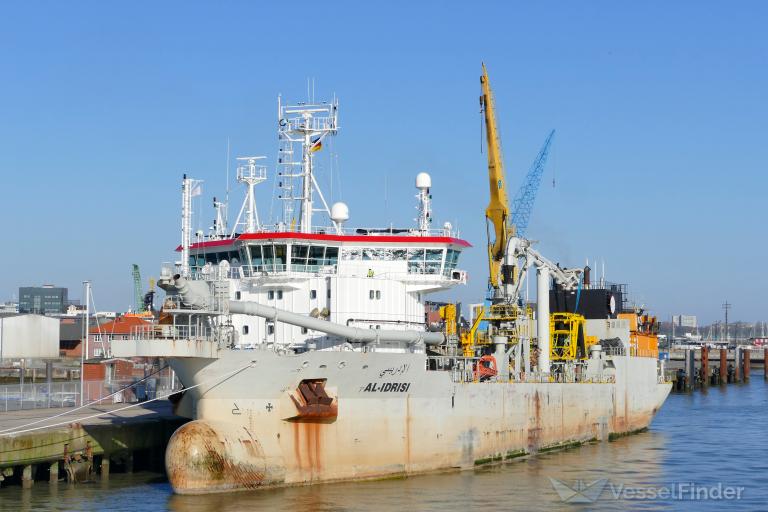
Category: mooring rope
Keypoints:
(21, 429)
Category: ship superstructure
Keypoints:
(370, 278)
(305, 355)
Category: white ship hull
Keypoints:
(393, 417)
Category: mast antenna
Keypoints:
(189, 188)
(251, 174)
(305, 127)
(226, 197)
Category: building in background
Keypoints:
(9, 307)
(71, 337)
(121, 328)
(43, 300)
(28, 336)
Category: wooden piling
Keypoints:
(704, 366)
(765, 362)
(27, 477)
(53, 476)
(105, 467)
(745, 357)
(737, 365)
(690, 369)
(724, 366)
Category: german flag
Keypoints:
(317, 145)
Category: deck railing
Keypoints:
(170, 332)
(462, 370)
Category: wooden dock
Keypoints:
(695, 368)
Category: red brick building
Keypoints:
(120, 328)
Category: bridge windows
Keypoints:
(425, 261)
(310, 258)
(451, 260)
(420, 260)
(199, 260)
(374, 254)
(269, 257)
(298, 257)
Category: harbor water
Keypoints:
(704, 451)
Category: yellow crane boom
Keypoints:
(498, 207)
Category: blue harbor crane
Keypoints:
(522, 205)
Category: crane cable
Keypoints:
(21, 428)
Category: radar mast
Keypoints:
(304, 125)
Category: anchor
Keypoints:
(313, 402)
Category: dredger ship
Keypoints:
(306, 356)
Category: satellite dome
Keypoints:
(423, 180)
(339, 212)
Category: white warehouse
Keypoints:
(29, 336)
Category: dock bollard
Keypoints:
(746, 358)
(704, 366)
(723, 366)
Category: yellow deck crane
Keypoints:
(497, 212)
(468, 339)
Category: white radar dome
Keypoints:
(423, 180)
(339, 212)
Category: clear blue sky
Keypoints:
(660, 110)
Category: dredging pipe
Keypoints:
(195, 296)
